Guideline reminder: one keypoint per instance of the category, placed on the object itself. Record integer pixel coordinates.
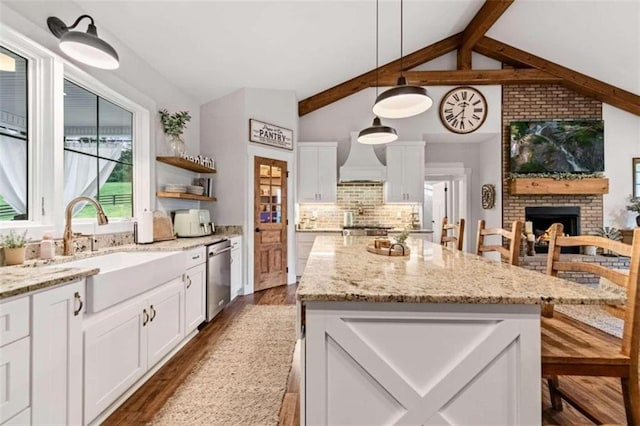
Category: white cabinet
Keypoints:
(317, 172)
(57, 355)
(195, 282)
(14, 358)
(123, 342)
(405, 173)
(236, 266)
(304, 243)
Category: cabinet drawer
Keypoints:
(196, 256)
(14, 320)
(14, 378)
(235, 242)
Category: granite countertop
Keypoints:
(340, 269)
(320, 230)
(30, 276)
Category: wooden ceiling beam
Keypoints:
(368, 79)
(574, 80)
(473, 77)
(488, 14)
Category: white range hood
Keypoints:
(362, 164)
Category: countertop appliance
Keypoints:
(218, 277)
(365, 230)
(192, 223)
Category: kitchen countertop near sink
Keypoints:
(320, 230)
(20, 279)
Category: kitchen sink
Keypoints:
(126, 274)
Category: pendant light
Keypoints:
(377, 134)
(403, 100)
(85, 47)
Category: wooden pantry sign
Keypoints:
(270, 134)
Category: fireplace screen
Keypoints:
(543, 217)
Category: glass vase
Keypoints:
(176, 145)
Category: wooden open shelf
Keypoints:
(185, 164)
(546, 186)
(184, 196)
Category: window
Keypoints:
(14, 140)
(636, 177)
(98, 159)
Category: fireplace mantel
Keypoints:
(550, 186)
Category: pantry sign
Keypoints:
(269, 134)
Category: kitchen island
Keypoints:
(437, 337)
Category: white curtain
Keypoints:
(80, 170)
(13, 172)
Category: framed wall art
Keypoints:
(488, 196)
(269, 134)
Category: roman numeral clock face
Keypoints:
(463, 110)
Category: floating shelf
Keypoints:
(184, 196)
(185, 164)
(550, 186)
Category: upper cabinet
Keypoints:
(317, 172)
(405, 172)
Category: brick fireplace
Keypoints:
(537, 102)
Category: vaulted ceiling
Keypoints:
(211, 48)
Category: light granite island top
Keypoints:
(340, 269)
(462, 347)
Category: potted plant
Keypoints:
(14, 247)
(634, 206)
(610, 233)
(174, 125)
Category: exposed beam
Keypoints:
(472, 77)
(368, 79)
(574, 80)
(488, 14)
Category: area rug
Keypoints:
(243, 379)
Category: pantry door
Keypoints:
(270, 220)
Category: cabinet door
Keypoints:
(57, 355)
(236, 272)
(307, 174)
(413, 169)
(14, 378)
(327, 174)
(166, 321)
(115, 356)
(394, 186)
(194, 297)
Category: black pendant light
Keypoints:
(403, 100)
(377, 134)
(85, 47)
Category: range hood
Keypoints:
(362, 165)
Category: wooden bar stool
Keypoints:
(514, 236)
(571, 348)
(457, 237)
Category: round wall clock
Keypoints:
(463, 109)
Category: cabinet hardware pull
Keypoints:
(145, 317)
(188, 281)
(79, 299)
(195, 257)
(231, 260)
(153, 313)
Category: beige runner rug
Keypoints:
(243, 379)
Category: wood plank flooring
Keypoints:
(141, 406)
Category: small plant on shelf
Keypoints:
(173, 125)
(402, 237)
(14, 240)
(634, 206)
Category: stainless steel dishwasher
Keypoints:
(218, 277)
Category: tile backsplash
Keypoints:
(366, 201)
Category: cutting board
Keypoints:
(162, 227)
(395, 251)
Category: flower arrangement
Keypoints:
(402, 237)
(14, 240)
(634, 204)
(174, 124)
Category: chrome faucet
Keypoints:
(67, 238)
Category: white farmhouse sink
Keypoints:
(126, 274)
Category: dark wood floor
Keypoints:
(141, 407)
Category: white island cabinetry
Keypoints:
(317, 172)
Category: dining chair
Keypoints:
(572, 348)
(514, 236)
(457, 237)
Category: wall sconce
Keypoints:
(86, 47)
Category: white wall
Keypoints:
(225, 136)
